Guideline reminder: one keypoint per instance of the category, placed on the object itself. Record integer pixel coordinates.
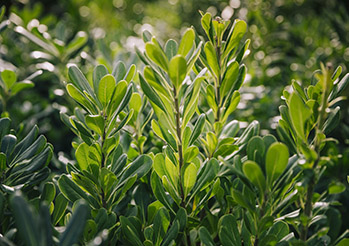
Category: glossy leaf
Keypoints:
(177, 70)
(254, 173)
(299, 114)
(187, 42)
(276, 161)
(106, 88)
(74, 229)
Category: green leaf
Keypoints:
(151, 93)
(8, 144)
(211, 98)
(160, 224)
(130, 231)
(336, 188)
(76, 225)
(236, 33)
(3, 162)
(187, 42)
(254, 173)
(279, 230)
(9, 78)
(177, 70)
(79, 80)
(171, 235)
(82, 156)
(49, 192)
(5, 125)
(229, 78)
(140, 167)
(61, 204)
(78, 42)
(255, 149)
(156, 54)
(206, 175)
(98, 73)
(234, 101)
(240, 199)
(206, 22)
(19, 86)
(26, 223)
(159, 191)
(106, 88)
(228, 231)
(299, 113)
(80, 97)
(95, 123)
(171, 48)
(130, 73)
(212, 59)
(135, 103)
(189, 178)
(164, 167)
(276, 161)
(119, 71)
(343, 242)
(190, 153)
(70, 190)
(205, 237)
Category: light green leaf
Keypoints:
(95, 123)
(211, 57)
(187, 42)
(171, 48)
(189, 178)
(254, 173)
(229, 78)
(299, 114)
(106, 88)
(98, 73)
(156, 54)
(9, 78)
(237, 32)
(19, 86)
(177, 70)
(276, 161)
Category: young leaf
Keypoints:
(299, 113)
(156, 54)
(9, 78)
(187, 42)
(189, 178)
(95, 123)
(212, 59)
(237, 32)
(177, 70)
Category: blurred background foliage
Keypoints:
(289, 39)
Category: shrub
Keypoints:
(159, 160)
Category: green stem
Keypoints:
(308, 208)
(180, 147)
(219, 81)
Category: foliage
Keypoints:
(159, 155)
